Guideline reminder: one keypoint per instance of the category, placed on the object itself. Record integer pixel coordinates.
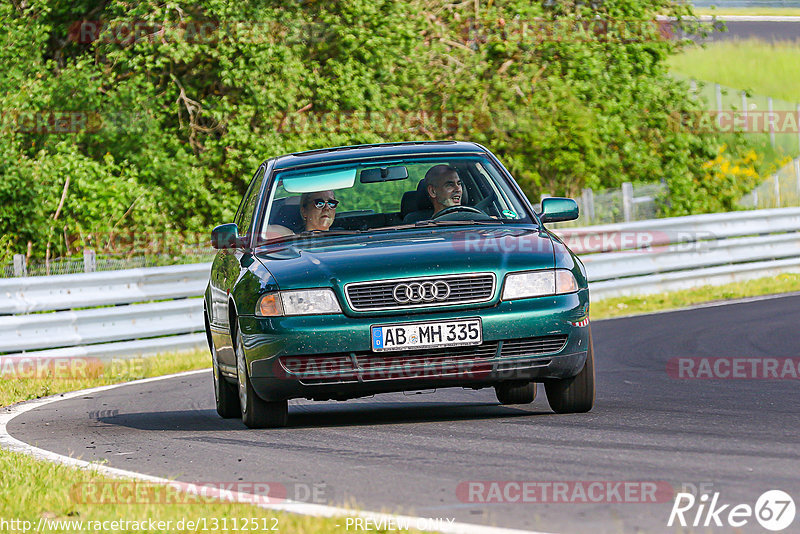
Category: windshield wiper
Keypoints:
(435, 222)
(326, 233)
(427, 223)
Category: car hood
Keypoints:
(338, 260)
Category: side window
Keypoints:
(244, 217)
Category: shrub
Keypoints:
(178, 122)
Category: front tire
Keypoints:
(515, 393)
(576, 394)
(256, 412)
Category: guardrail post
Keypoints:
(89, 260)
(20, 267)
(771, 121)
(798, 122)
(797, 178)
(587, 195)
(776, 184)
(627, 201)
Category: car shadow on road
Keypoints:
(323, 415)
(367, 414)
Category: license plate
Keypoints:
(456, 333)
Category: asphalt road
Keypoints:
(409, 454)
(763, 30)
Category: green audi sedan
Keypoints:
(367, 269)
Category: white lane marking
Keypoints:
(714, 304)
(10, 443)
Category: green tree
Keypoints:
(176, 104)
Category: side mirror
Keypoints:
(225, 236)
(557, 209)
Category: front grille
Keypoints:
(469, 361)
(379, 295)
(532, 346)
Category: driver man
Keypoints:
(444, 187)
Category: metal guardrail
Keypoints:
(110, 288)
(674, 230)
(156, 310)
(703, 254)
(124, 326)
(122, 349)
(100, 325)
(677, 280)
(679, 253)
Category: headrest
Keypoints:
(422, 197)
(287, 213)
(408, 203)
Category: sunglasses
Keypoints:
(320, 202)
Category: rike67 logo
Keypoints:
(774, 510)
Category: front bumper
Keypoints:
(330, 357)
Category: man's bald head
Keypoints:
(444, 187)
(439, 173)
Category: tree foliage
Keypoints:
(180, 102)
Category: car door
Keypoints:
(227, 268)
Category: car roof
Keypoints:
(360, 152)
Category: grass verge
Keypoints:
(621, 306)
(29, 383)
(65, 499)
(54, 497)
(762, 68)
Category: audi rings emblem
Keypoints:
(416, 292)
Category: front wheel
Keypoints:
(576, 394)
(256, 412)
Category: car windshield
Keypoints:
(389, 195)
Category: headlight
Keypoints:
(539, 284)
(309, 302)
(299, 302)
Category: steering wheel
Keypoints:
(457, 209)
